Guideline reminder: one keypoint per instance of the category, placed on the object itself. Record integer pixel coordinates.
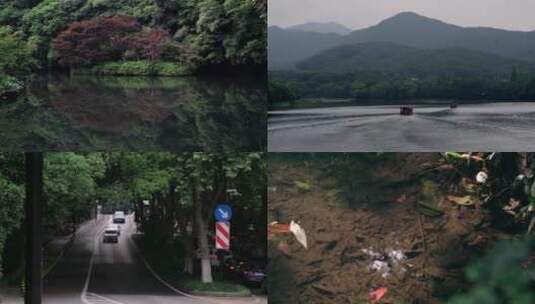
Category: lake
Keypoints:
(507, 126)
(67, 112)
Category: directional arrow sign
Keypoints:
(223, 213)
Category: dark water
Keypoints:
(63, 112)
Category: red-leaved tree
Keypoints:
(149, 44)
(95, 40)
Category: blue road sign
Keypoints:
(223, 213)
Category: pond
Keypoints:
(75, 112)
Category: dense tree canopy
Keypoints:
(279, 91)
(381, 86)
(201, 33)
(181, 190)
(70, 187)
(15, 58)
(11, 197)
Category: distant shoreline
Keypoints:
(367, 103)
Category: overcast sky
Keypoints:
(355, 14)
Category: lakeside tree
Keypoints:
(95, 40)
(279, 91)
(369, 86)
(148, 44)
(202, 33)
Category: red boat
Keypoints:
(406, 111)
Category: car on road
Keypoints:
(119, 217)
(247, 271)
(111, 234)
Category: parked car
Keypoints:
(246, 271)
(119, 217)
(111, 234)
(253, 274)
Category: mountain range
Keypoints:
(322, 27)
(391, 58)
(288, 47)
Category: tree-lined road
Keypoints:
(93, 272)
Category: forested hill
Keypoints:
(407, 29)
(194, 33)
(407, 61)
(287, 47)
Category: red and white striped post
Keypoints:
(222, 235)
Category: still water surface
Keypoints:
(63, 112)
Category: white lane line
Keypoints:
(84, 294)
(101, 299)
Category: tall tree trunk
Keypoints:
(189, 260)
(202, 239)
(183, 217)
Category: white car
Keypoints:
(119, 217)
(111, 234)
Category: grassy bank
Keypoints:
(304, 103)
(9, 85)
(137, 68)
(166, 264)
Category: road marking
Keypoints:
(84, 295)
(94, 298)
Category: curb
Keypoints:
(222, 294)
(164, 282)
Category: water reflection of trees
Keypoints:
(83, 112)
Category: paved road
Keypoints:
(92, 272)
(481, 127)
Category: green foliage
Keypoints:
(15, 54)
(141, 68)
(206, 32)
(198, 286)
(505, 275)
(11, 196)
(213, 32)
(145, 11)
(49, 17)
(15, 60)
(70, 186)
(132, 68)
(11, 13)
(279, 92)
(370, 86)
(9, 84)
